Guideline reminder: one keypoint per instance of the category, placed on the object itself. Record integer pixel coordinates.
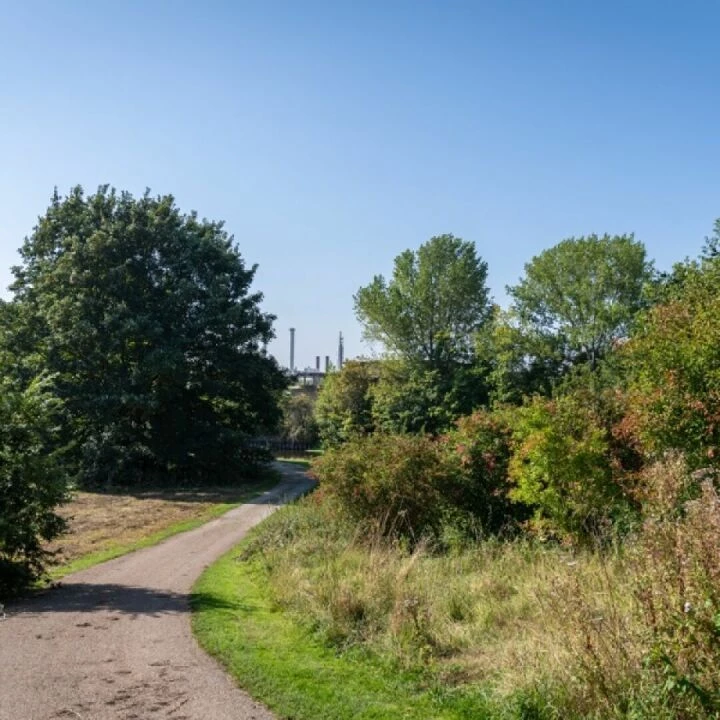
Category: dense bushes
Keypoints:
(674, 363)
(529, 629)
(395, 483)
(412, 484)
(32, 483)
(344, 406)
(478, 452)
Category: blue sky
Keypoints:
(330, 136)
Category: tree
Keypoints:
(32, 482)
(344, 404)
(298, 419)
(584, 291)
(517, 363)
(146, 318)
(674, 364)
(410, 398)
(430, 309)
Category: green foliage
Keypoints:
(298, 418)
(396, 483)
(410, 399)
(413, 485)
(344, 404)
(519, 363)
(674, 361)
(479, 448)
(677, 584)
(146, 318)
(585, 292)
(434, 303)
(568, 467)
(32, 483)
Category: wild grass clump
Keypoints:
(653, 647)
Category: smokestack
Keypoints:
(317, 362)
(292, 349)
(327, 363)
(341, 352)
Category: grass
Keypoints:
(283, 665)
(103, 526)
(305, 667)
(302, 462)
(319, 619)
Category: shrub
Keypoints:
(677, 584)
(675, 364)
(31, 482)
(344, 406)
(565, 466)
(479, 450)
(397, 483)
(648, 643)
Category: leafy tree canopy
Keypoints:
(344, 402)
(431, 307)
(585, 291)
(146, 318)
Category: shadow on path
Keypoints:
(129, 600)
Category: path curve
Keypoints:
(114, 642)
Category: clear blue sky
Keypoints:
(330, 136)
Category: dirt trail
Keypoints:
(114, 641)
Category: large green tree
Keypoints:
(430, 309)
(584, 292)
(146, 318)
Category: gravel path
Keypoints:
(114, 641)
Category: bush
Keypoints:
(677, 584)
(479, 450)
(344, 406)
(647, 644)
(396, 483)
(31, 483)
(569, 468)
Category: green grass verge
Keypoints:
(282, 664)
(101, 556)
(295, 461)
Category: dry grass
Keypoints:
(99, 523)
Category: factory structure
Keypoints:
(310, 376)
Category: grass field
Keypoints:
(102, 526)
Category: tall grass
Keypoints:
(631, 631)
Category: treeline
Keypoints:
(542, 416)
(131, 352)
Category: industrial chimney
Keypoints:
(317, 362)
(292, 349)
(341, 352)
(327, 364)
